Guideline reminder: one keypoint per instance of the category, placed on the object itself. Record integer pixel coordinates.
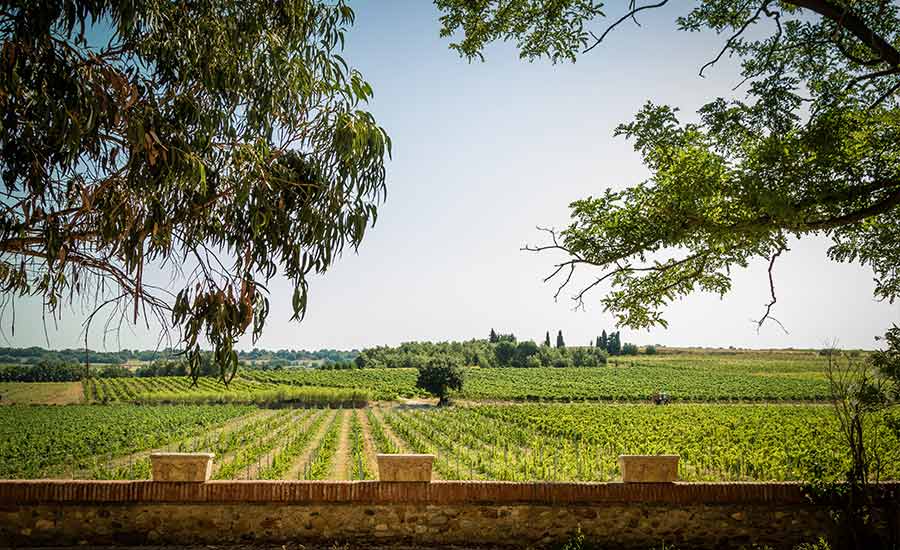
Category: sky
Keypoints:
(485, 152)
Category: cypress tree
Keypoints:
(560, 343)
(604, 341)
(615, 344)
(493, 337)
(547, 339)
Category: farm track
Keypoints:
(252, 471)
(301, 462)
(368, 442)
(340, 464)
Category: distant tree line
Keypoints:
(36, 364)
(499, 350)
(416, 354)
(58, 371)
(35, 355)
(290, 355)
(612, 344)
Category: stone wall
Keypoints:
(690, 515)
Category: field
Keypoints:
(52, 393)
(182, 390)
(735, 416)
(707, 378)
(572, 442)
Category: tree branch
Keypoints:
(846, 19)
(730, 43)
(630, 14)
(767, 314)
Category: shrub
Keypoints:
(650, 350)
(629, 349)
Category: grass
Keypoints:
(40, 393)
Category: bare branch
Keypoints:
(730, 43)
(767, 315)
(630, 14)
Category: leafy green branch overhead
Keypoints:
(223, 140)
(810, 149)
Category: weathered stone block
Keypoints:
(181, 466)
(649, 468)
(399, 467)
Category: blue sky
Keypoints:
(484, 152)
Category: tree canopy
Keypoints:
(440, 375)
(224, 142)
(811, 148)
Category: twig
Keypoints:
(630, 14)
(730, 43)
(767, 314)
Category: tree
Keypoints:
(804, 152)
(629, 349)
(524, 351)
(560, 343)
(439, 376)
(547, 339)
(493, 338)
(614, 344)
(504, 352)
(604, 340)
(226, 149)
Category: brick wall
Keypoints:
(701, 515)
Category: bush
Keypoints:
(629, 349)
(650, 350)
(439, 376)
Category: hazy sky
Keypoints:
(484, 152)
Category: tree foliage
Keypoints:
(810, 148)
(224, 142)
(439, 376)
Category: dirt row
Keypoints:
(341, 467)
(299, 465)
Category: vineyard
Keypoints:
(685, 377)
(521, 442)
(36, 438)
(625, 380)
(182, 390)
(735, 416)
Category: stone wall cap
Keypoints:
(182, 455)
(407, 455)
